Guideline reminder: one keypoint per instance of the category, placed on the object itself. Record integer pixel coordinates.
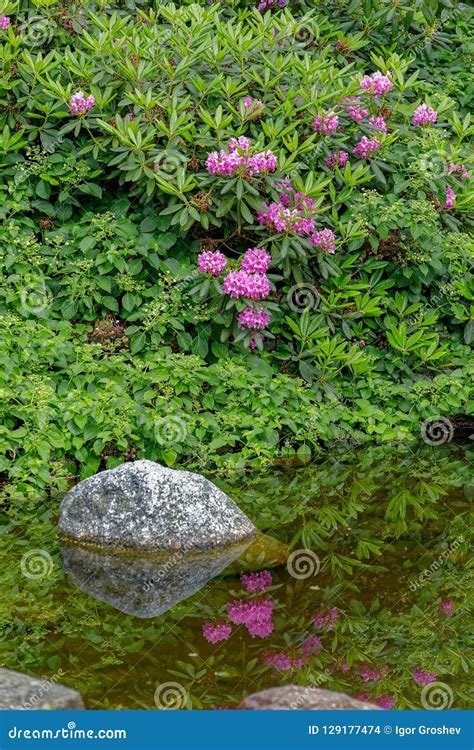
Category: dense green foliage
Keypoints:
(113, 345)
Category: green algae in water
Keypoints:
(390, 532)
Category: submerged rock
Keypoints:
(23, 692)
(146, 507)
(263, 552)
(302, 698)
(144, 585)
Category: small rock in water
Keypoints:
(292, 697)
(146, 507)
(22, 692)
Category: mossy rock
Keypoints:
(263, 552)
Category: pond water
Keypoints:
(374, 600)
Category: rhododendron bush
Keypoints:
(285, 186)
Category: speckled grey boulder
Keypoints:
(22, 692)
(144, 585)
(298, 697)
(146, 507)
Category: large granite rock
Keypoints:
(23, 692)
(146, 507)
(144, 585)
(302, 698)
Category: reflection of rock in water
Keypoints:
(144, 585)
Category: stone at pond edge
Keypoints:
(292, 697)
(263, 552)
(146, 507)
(23, 692)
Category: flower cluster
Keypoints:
(255, 615)
(79, 104)
(256, 260)
(459, 169)
(278, 218)
(355, 111)
(283, 660)
(383, 701)
(292, 198)
(239, 157)
(424, 115)
(378, 123)
(4, 22)
(212, 262)
(254, 320)
(366, 147)
(324, 239)
(242, 284)
(377, 84)
(257, 582)
(326, 123)
(450, 200)
(446, 606)
(215, 632)
(337, 159)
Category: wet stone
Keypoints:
(146, 507)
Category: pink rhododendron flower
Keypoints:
(423, 678)
(424, 115)
(449, 200)
(215, 632)
(239, 157)
(79, 104)
(256, 582)
(378, 123)
(312, 646)
(325, 239)
(212, 262)
(377, 84)
(278, 218)
(242, 284)
(366, 147)
(4, 22)
(458, 169)
(326, 123)
(337, 159)
(256, 260)
(357, 113)
(291, 198)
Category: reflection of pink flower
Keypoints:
(386, 701)
(447, 607)
(256, 615)
(312, 646)
(278, 660)
(217, 631)
(255, 582)
(326, 619)
(372, 674)
(423, 678)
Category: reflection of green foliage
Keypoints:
(377, 520)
